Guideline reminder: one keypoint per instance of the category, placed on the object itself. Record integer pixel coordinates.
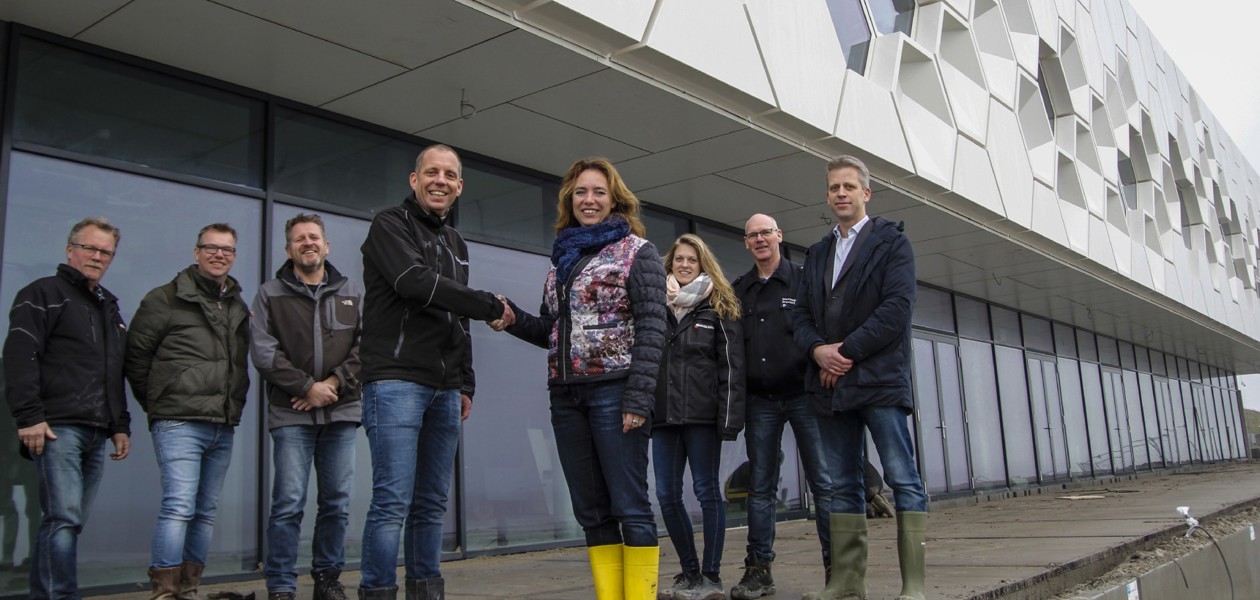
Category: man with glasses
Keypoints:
(775, 396)
(186, 362)
(417, 373)
(305, 344)
(63, 370)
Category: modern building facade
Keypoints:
(1086, 232)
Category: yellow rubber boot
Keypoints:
(642, 564)
(606, 567)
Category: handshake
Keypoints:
(508, 317)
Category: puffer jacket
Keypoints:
(187, 350)
(879, 293)
(610, 324)
(300, 337)
(64, 354)
(701, 381)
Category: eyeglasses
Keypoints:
(106, 254)
(765, 233)
(211, 249)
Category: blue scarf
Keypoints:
(571, 243)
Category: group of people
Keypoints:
(643, 354)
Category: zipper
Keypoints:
(402, 332)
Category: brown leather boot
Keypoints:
(164, 583)
(189, 579)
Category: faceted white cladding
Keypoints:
(1011, 166)
(974, 180)
(804, 59)
(961, 72)
(996, 54)
(1023, 30)
(627, 17)
(713, 37)
(605, 27)
(926, 121)
(868, 119)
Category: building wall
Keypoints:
(1062, 124)
(162, 152)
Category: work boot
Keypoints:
(281, 595)
(607, 570)
(327, 587)
(389, 593)
(426, 589)
(756, 582)
(911, 552)
(709, 587)
(848, 559)
(640, 566)
(164, 583)
(684, 584)
(189, 579)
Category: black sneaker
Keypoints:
(327, 587)
(755, 583)
(281, 596)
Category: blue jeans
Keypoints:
(845, 443)
(763, 437)
(294, 448)
(606, 469)
(673, 448)
(193, 457)
(69, 472)
(413, 431)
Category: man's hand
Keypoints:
(33, 437)
(831, 364)
(465, 406)
(122, 446)
(508, 318)
(320, 395)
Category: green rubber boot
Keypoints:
(911, 551)
(848, 559)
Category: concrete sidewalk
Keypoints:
(1009, 545)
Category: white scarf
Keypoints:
(681, 299)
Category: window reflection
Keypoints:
(892, 16)
(849, 19)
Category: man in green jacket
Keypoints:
(186, 362)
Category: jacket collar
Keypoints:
(412, 205)
(288, 274)
(191, 285)
(77, 279)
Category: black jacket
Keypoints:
(63, 357)
(701, 381)
(774, 365)
(417, 301)
(878, 302)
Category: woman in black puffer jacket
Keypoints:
(699, 403)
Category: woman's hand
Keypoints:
(630, 421)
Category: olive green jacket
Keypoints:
(186, 351)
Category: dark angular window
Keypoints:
(849, 19)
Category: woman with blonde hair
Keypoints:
(602, 321)
(699, 404)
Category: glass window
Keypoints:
(933, 309)
(1096, 417)
(503, 208)
(1150, 420)
(1143, 358)
(324, 160)
(1016, 419)
(931, 449)
(95, 106)
(1064, 340)
(1087, 345)
(972, 318)
(1005, 326)
(728, 245)
(663, 228)
(1126, 356)
(1074, 419)
(1037, 334)
(953, 415)
(1108, 354)
(1137, 427)
(849, 20)
(892, 16)
(983, 414)
(159, 222)
(1159, 365)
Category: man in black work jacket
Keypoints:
(63, 372)
(775, 396)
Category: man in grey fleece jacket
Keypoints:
(305, 344)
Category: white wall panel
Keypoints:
(801, 54)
